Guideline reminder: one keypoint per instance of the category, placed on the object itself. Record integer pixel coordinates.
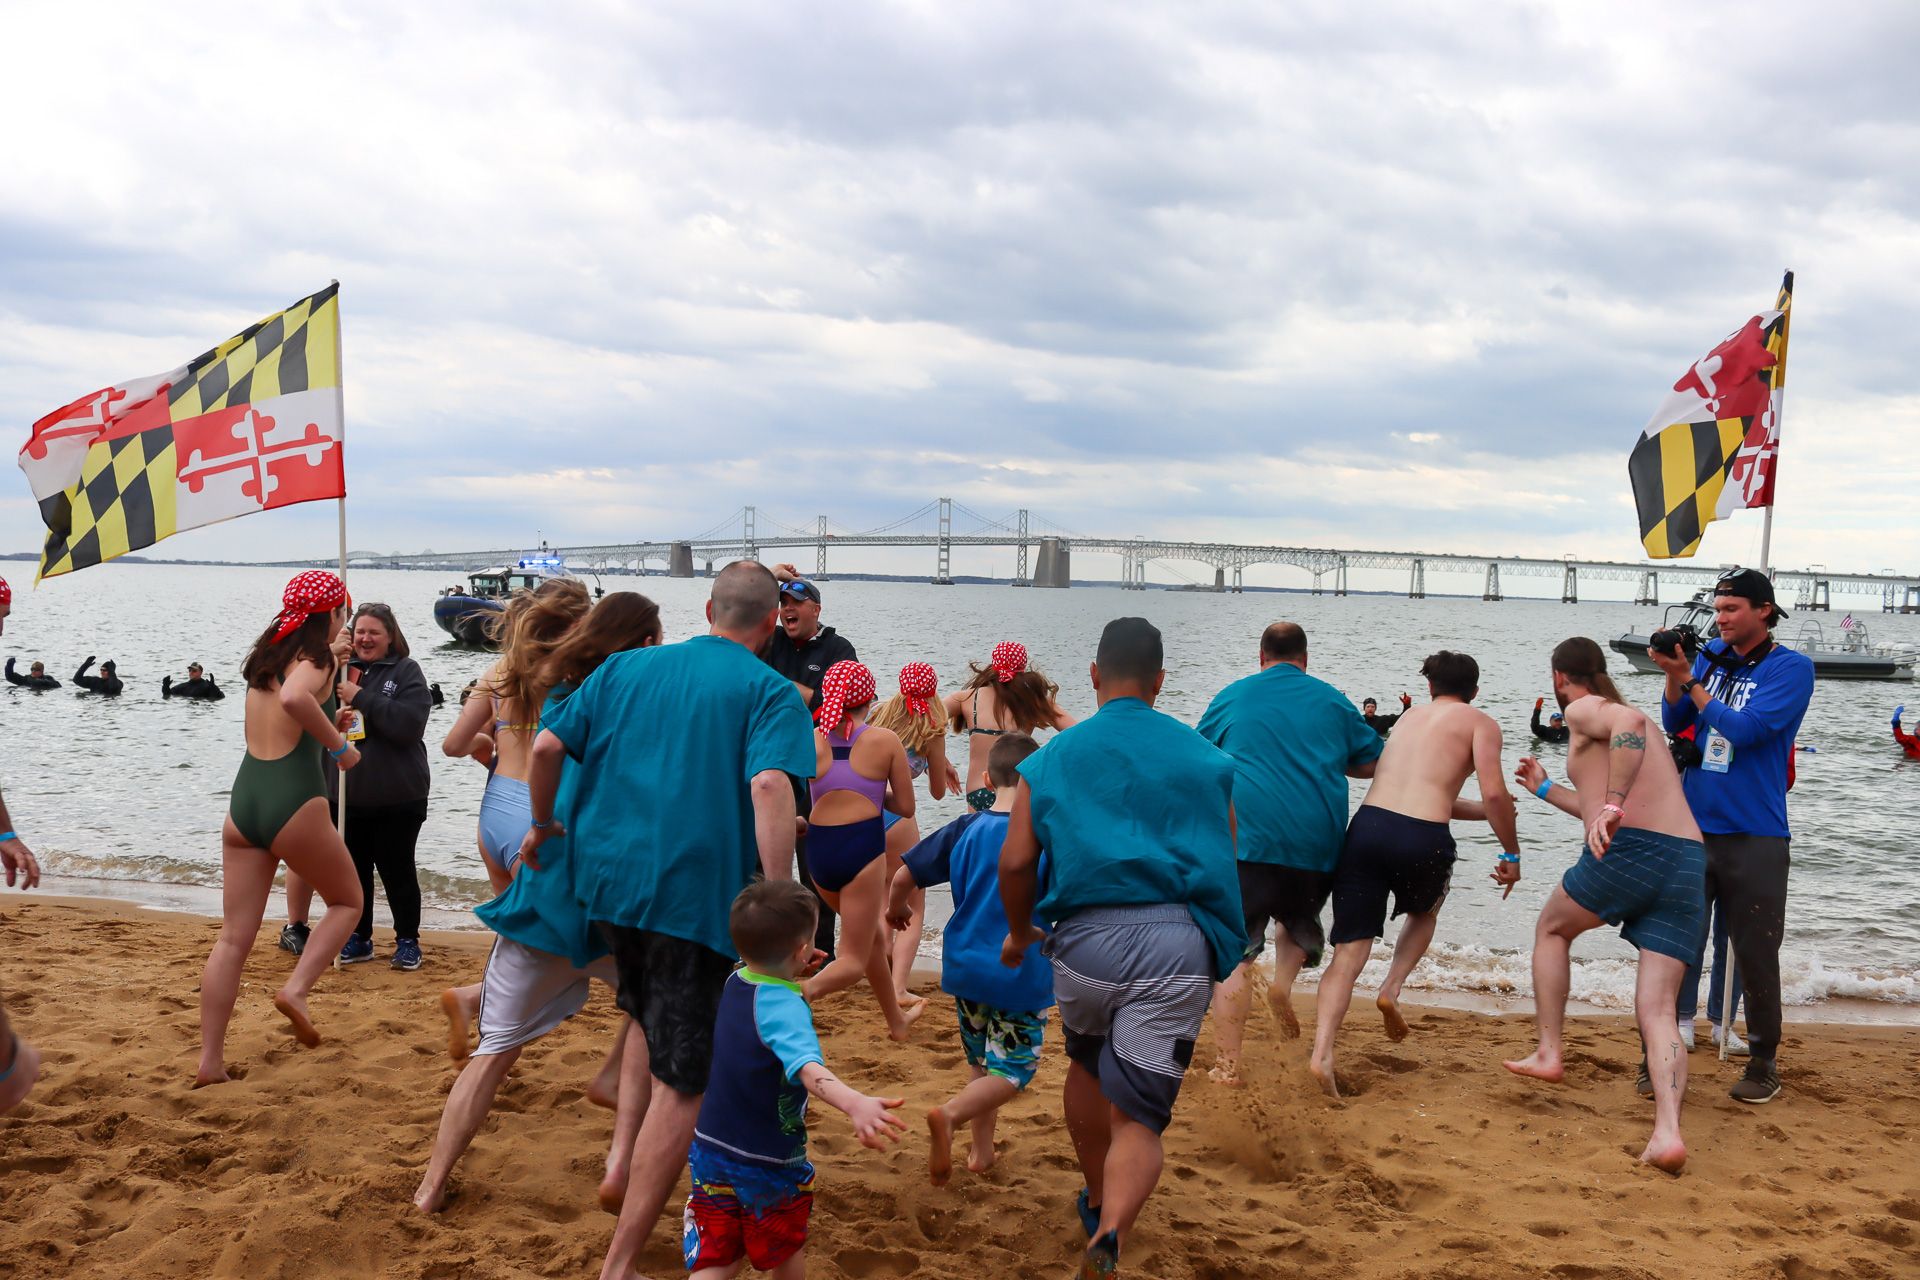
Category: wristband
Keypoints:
(542, 826)
(345, 744)
(1546, 785)
(1611, 807)
(6, 836)
(1507, 856)
(1687, 688)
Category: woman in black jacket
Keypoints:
(387, 795)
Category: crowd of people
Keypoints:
(1126, 869)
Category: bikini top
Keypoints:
(973, 719)
(499, 724)
(842, 776)
(916, 763)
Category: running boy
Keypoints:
(752, 1185)
(1003, 1015)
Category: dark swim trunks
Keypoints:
(1291, 897)
(1654, 886)
(672, 988)
(1388, 853)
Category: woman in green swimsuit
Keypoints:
(278, 811)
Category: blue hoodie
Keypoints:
(1757, 709)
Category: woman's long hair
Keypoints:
(1581, 659)
(917, 733)
(1026, 700)
(383, 615)
(622, 620)
(270, 658)
(534, 624)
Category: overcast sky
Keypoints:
(1391, 276)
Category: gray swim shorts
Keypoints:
(527, 993)
(1133, 985)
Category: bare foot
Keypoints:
(1225, 1071)
(202, 1078)
(21, 1075)
(296, 1012)
(1289, 1020)
(1540, 1065)
(456, 1011)
(613, 1194)
(429, 1199)
(1323, 1072)
(980, 1159)
(909, 1014)
(1669, 1155)
(940, 1152)
(1390, 1011)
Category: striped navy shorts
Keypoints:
(1654, 886)
(1133, 985)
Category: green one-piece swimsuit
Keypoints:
(267, 793)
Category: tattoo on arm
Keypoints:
(1629, 741)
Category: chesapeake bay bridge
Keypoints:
(1043, 557)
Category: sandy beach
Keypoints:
(1440, 1165)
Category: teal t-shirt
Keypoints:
(664, 741)
(541, 909)
(1292, 737)
(1131, 809)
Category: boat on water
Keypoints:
(1854, 656)
(466, 612)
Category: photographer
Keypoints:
(1744, 698)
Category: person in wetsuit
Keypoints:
(196, 685)
(107, 682)
(1555, 730)
(1909, 743)
(36, 677)
(1382, 725)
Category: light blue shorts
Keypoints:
(506, 815)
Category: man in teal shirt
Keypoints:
(1295, 740)
(681, 758)
(1134, 811)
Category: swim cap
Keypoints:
(918, 684)
(315, 591)
(847, 684)
(1009, 660)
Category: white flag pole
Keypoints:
(340, 391)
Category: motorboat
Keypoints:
(1854, 656)
(467, 612)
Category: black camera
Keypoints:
(1685, 751)
(1672, 641)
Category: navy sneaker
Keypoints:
(406, 954)
(358, 950)
(294, 937)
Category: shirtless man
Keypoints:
(1643, 868)
(1399, 843)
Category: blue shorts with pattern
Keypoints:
(1654, 886)
(1001, 1042)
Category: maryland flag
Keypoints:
(1711, 446)
(251, 425)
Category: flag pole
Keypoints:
(340, 390)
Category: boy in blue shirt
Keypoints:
(752, 1184)
(1003, 1014)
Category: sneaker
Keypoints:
(406, 953)
(1644, 1084)
(1686, 1033)
(294, 937)
(358, 950)
(1760, 1084)
(1736, 1047)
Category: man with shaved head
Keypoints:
(683, 755)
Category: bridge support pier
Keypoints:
(1820, 599)
(1220, 579)
(820, 553)
(1649, 589)
(1020, 578)
(1055, 566)
(1910, 599)
(1570, 585)
(1492, 591)
(1238, 588)
(1340, 578)
(679, 561)
(943, 570)
(1417, 581)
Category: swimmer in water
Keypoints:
(36, 678)
(107, 682)
(1908, 742)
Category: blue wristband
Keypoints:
(1509, 857)
(542, 826)
(341, 753)
(1546, 785)
(6, 836)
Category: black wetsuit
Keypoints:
(107, 682)
(1547, 732)
(30, 682)
(200, 687)
(1380, 724)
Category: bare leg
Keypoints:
(453, 1003)
(1288, 960)
(299, 899)
(1330, 1007)
(246, 878)
(635, 1092)
(19, 1062)
(978, 1105)
(467, 1105)
(1561, 921)
(794, 1268)
(1230, 1001)
(904, 945)
(310, 845)
(1656, 994)
(1416, 935)
(1133, 1170)
(1090, 1125)
(659, 1157)
(605, 1089)
(862, 950)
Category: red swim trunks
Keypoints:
(718, 1229)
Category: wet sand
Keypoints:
(1440, 1164)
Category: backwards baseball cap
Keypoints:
(1749, 584)
(800, 589)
